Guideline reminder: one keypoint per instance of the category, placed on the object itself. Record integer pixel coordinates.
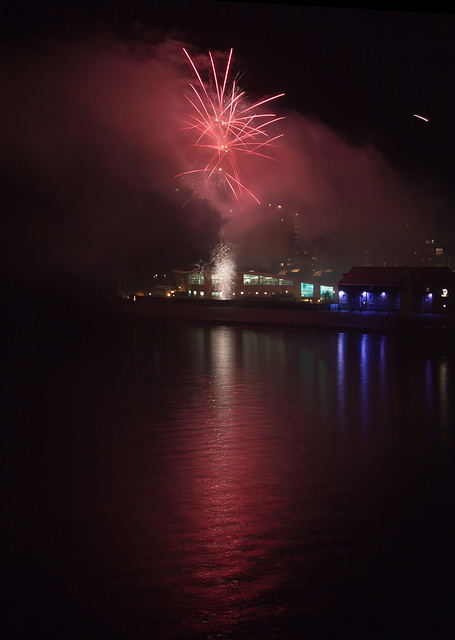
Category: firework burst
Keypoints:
(220, 272)
(227, 128)
(224, 269)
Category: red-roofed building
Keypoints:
(429, 289)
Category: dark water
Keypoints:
(217, 482)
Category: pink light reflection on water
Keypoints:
(235, 521)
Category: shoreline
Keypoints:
(263, 313)
(430, 335)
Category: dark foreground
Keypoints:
(192, 480)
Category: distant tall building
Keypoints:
(433, 255)
(296, 254)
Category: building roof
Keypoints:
(391, 276)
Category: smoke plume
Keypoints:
(92, 141)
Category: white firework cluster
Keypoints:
(224, 269)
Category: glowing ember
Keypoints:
(416, 115)
(227, 128)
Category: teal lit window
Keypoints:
(249, 278)
(306, 290)
(327, 293)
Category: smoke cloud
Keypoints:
(349, 199)
(92, 141)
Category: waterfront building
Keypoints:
(292, 285)
(379, 289)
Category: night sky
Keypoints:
(93, 92)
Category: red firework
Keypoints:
(227, 127)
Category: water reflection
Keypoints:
(261, 474)
(439, 400)
(241, 482)
(265, 498)
(443, 393)
(229, 509)
(341, 379)
(361, 379)
(364, 391)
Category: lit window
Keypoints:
(196, 278)
(327, 292)
(306, 290)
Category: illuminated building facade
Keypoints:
(255, 284)
(378, 289)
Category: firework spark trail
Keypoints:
(227, 128)
(221, 270)
(224, 271)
